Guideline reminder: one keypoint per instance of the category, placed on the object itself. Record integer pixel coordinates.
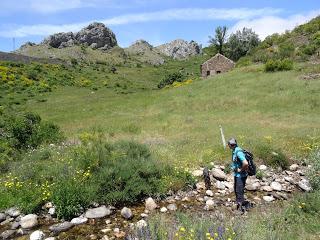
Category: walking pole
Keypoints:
(222, 137)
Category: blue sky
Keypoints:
(157, 21)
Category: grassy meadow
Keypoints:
(181, 124)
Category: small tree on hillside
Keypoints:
(219, 39)
(241, 42)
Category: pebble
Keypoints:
(268, 198)
(37, 235)
(163, 210)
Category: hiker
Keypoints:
(239, 167)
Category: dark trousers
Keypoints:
(239, 185)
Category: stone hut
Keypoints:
(215, 65)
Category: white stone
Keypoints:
(267, 189)
(268, 198)
(294, 167)
(37, 235)
(98, 212)
(52, 211)
(50, 238)
(150, 204)
(144, 215)
(126, 213)
(197, 173)
(305, 185)
(201, 186)
(79, 220)
(219, 174)
(141, 224)
(163, 210)
(29, 221)
(263, 167)
(209, 193)
(209, 204)
(172, 207)
(220, 185)
(276, 186)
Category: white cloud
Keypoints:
(185, 14)
(268, 25)
(51, 6)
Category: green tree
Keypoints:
(219, 39)
(242, 42)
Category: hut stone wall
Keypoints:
(215, 65)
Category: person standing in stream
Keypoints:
(239, 167)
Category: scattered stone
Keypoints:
(200, 186)
(37, 235)
(60, 227)
(209, 193)
(15, 225)
(257, 199)
(79, 220)
(120, 234)
(220, 185)
(185, 199)
(294, 167)
(50, 238)
(289, 179)
(108, 221)
(172, 207)
(48, 205)
(267, 189)
(2, 217)
(218, 174)
(150, 204)
(209, 204)
(253, 186)
(163, 210)
(105, 237)
(263, 167)
(276, 186)
(126, 213)
(93, 237)
(29, 221)
(197, 173)
(305, 185)
(6, 221)
(52, 211)
(7, 234)
(13, 212)
(99, 212)
(141, 224)
(144, 215)
(268, 198)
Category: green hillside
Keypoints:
(302, 43)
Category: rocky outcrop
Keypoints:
(140, 47)
(96, 35)
(180, 49)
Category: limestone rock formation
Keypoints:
(140, 47)
(96, 35)
(180, 49)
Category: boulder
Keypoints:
(37, 235)
(99, 212)
(126, 213)
(150, 204)
(276, 186)
(29, 221)
(218, 174)
(79, 220)
(60, 227)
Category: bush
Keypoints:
(278, 65)
(170, 79)
(271, 157)
(314, 171)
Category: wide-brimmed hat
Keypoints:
(232, 141)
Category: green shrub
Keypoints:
(314, 171)
(271, 157)
(170, 79)
(278, 65)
